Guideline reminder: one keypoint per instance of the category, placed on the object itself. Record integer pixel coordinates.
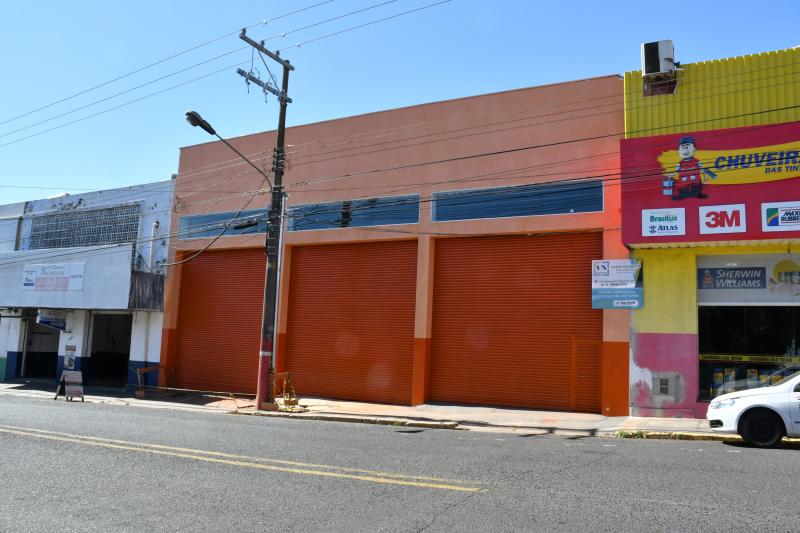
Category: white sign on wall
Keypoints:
(53, 277)
(617, 284)
(723, 219)
(660, 222)
(780, 216)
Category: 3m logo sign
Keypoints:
(723, 219)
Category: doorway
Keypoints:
(110, 349)
(40, 357)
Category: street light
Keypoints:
(194, 118)
(265, 395)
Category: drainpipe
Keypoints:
(152, 244)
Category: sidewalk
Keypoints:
(429, 416)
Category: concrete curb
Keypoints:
(389, 421)
(685, 435)
(148, 404)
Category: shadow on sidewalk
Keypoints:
(197, 398)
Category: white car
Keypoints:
(761, 416)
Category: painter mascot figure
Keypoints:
(689, 176)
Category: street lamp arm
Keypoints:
(240, 154)
(194, 118)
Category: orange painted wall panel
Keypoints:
(219, 323)
(505, 310)
(350, 329)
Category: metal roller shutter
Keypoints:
(219, 320)
(505, 310)
(350, 330)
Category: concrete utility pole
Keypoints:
(266, 356)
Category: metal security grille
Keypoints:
(90, 227)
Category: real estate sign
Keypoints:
(617, 284)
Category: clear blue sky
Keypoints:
(53, 49)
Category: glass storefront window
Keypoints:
(743, 347)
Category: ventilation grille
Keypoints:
(91, 227)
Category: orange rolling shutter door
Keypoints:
(505, 310)
(350, 330)
(219, 322)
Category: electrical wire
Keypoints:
(37, 134)
(169, 75)
(509, 150)
(417, 126)
(160, 61)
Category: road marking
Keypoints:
(245, 457)
(228, 459)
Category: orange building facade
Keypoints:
(435, 253)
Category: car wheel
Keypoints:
(762, 428)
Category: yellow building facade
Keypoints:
(716, 229)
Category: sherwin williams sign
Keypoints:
(732, 184)
(748, 279)
(617, 284)
(731, 278)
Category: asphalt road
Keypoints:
(92, 467)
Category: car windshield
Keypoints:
(787, 378)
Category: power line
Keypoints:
(175, 73)
(416, 126)
(160, 61)
(193, 80)
(523, 148)
(121, 105)
(126, 91)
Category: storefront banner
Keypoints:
(52, 318)
(751, 279)
(53, 277)
(617, 284)
(731, 184)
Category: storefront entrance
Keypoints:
(40, 355)
(748, 321)
(110, 349)
(744, 347)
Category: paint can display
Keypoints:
(667, 186)
(716, 381)
(752, 378)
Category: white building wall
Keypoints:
(9, 225)
(75, 335)
(11, 343)
(106, 278)
(146, 343)
(154, 338)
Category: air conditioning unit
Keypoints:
(658, 58)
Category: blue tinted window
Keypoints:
(355, 213)
(212, 224)
(519, 201)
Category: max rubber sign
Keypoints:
(731, 184)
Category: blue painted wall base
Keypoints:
(13, 365)
(81, 363)
(150, 379)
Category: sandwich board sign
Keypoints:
(70, 385)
